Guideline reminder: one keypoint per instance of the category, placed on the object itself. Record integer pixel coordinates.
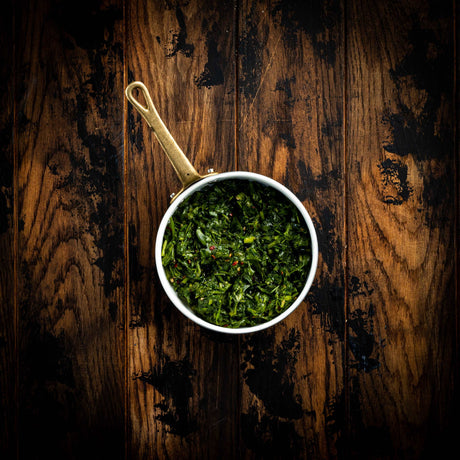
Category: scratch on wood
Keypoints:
(262, 79)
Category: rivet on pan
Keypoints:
(210, 170)
(172, 195)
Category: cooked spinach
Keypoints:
(237, 253)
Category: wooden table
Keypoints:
(350, 104)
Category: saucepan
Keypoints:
(192, 182)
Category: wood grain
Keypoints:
(351, 105)
(7, 242)
(401, 227)
(291, 71)
(70, 287)
(184, 389)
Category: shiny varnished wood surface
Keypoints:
(351, 104)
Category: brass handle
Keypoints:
(184, 169)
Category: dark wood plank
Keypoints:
(71, 313)
(401, 191)
(291, 71)
(7, 229)
(381, 189)
(184, 390)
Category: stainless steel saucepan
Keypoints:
(191, 182)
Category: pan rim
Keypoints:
(245, 175)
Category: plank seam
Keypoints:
(345, 222)
(125, 237)
(236, 28)
(15, 235)
(456, 198)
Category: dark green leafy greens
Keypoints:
(237, 253)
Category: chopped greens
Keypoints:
(237, 253)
